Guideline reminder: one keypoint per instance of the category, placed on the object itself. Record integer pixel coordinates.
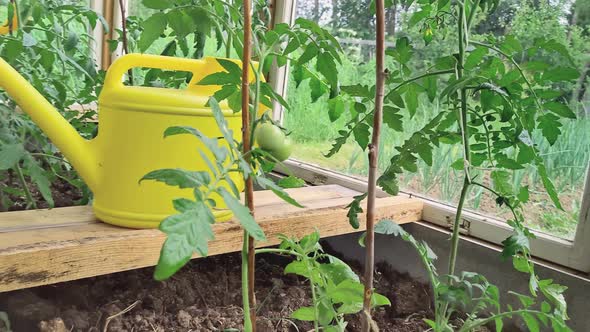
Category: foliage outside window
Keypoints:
(567, 158)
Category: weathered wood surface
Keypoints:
(48, 246)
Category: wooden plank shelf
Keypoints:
(43, 247)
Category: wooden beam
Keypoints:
(49, 246)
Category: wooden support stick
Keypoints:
(246, 59)
(373, 164)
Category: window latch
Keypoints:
(464, 226)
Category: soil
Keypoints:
(64, 194)
(203, 296)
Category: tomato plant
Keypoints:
(50, 49)
(493, 105)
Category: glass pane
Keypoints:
(567, 160)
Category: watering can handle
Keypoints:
(118, 69)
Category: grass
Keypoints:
(567, 160)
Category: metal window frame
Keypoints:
(571, 254)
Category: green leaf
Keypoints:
(530, 321)
(516, 243)
(175, 253)
(180, 22)
(222, 123)
(425, 152)
(554, 293)
(560, 109)
(243, 214)
(10, 155)
(311, 51)
(72, 41)
(392, 118)
(220, 78)
(158, 4)
(521, 264)
(501, 181)
(550, 127)
(188, 232)
(335, 108)
(231, 67)
(179, 178)
(306, 314)
(378, 300)
(475, 57)
(419, 16)
(523, 194)
(403, 50)
(153, 27)
(298, 268)
(388, 182)
(430, 84)
(277, 190)
(338, 271)
(327, 67)
(389, 227)
(318, 89)
(548, 184)
(411, 99)
(362, 135)
(559, 74)
(354, 208)
(357, 90)
(291, 182)
(396, 99)
(39, 177)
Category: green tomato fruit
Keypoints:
(269, 137)
(284, 152)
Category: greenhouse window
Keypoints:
(562, 235)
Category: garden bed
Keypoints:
(204, 296)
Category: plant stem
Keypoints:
(23, 182)
(248, 252)
(461, 25)
(373, 164)
(278, 251)
(245, 288)
(316, 314)
(124, 35)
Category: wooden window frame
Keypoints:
(571, 254)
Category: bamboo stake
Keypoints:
(373, 163)
(250, 250)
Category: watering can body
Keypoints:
(130, 140)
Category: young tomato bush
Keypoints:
(190, 230)
(336, 290)
(494, 104)
(49, 49)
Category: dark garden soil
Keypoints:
(64, 194)
(204, 296)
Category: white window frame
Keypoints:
(571, 254)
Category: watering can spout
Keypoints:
(79, 151)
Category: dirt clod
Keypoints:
(54, 325)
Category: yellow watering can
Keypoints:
(129, 144)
